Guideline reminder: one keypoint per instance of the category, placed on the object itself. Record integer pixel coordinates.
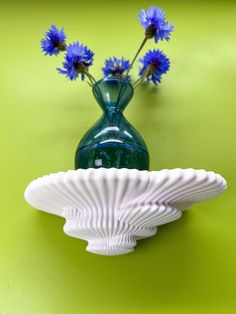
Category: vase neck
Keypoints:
(113, 94)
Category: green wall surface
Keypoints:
(189, 121)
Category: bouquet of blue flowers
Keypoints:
(79, 58)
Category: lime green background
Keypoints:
(189, 266)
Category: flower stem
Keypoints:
(90, 80)
(139, 81)
(89, 83)
(90, 77)
(135, 57)
(136, 82)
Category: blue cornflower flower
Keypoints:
(153, 20)
(116, 67)
(54, 42)
(78, 58)
(155, 63)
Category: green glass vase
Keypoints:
(112, 141)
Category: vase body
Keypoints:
(112, 141)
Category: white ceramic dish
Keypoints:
(113, 208)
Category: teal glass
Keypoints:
(112, 141)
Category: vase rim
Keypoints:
(113, 78)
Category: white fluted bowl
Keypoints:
(113, 208)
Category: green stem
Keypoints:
(135, 57)
(89, 83)
(136, 82)
(139, 81)
(91, 77)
